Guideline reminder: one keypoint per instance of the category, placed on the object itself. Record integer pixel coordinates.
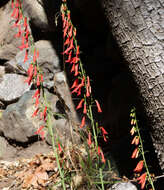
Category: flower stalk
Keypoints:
(81, 85)
(137, 140)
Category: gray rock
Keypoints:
(12, 87)
(6, 150)
(123, 186)
(17, 122)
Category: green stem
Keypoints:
(101, 177)
(143, 155)
(49, 124)
(93, 125)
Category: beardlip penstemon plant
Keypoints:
(35, 75)
(81, 85)
(139, 150)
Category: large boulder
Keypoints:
(12, 87)
(17, 122)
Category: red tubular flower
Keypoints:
(76, 69)
(67, 41)
(26, 45)
(14, 12)
(26, 56)
(70, 47)
(79, 86)
(135, 140)
(22, 47)
(142, 180)
(87, 92)
(88, 88)
(98, 106)
(17, 4)
(102, 157)
(38, 81)
(42, 134)
(41, 78)
(104, 132)
(132, 131)
(37, 54)
(89, 139)
(39, 130)
(77, 51)
(30, 74)
(27, 33)
(59, 147)
(88, 81)
(17, 14)
(69, 57)
(135, 153)
(35, 70)
(34, 56)
(74, 60)
(12, 4)
(37, 93)
(37, 101)
(25, 22)
(99, 150)
(35, 112)
(30, 70)
(139, 166)
(80, 104)
(75, 83)
(82, 122)
(73, 68)
(79, 92)
(70, 32)
(45, 112)
(85, 109)
(74, 32)
(28, 80)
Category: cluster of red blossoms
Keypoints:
(135, 154)
(81, 84)
(33, 72)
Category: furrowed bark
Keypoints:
(138, 26)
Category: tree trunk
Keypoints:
(138, 26)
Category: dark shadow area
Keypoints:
(15, 143)
(2, 61)
(3, 2)
(112, 81)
